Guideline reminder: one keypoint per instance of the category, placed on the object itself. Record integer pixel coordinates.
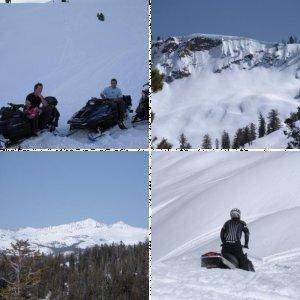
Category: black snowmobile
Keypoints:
(15, 126)
(211, 260)
(97, 115)
(142, 111)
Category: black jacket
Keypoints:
(34, 100)
(232, 230)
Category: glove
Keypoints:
(246, 246)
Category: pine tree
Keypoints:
(217, 144)
(206, 143)
(156, 80)
(293, 131)
(246, 135)
(183, 143)
(252, 132)
(261, 126)
(291, 40)
(24, 273)
(273, 121)
(225, 140)
(239, 139)
(164, 144)
(114, 271)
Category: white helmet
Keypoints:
(235, 213)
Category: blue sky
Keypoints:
(49, 188)
(268, 20)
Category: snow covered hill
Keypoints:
(191, 199)
(216, 83)
(65, 46)
(80, 234)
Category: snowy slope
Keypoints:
(64, 46)
(67, 237)
(191, 198)
(216, 83)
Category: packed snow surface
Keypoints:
(67, 237)
(216, 83)
(65, 46)
(192, 196)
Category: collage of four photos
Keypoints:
(149, 149)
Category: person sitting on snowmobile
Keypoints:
(32, 107)
(38, 112)
(231, 234)
(115, 97)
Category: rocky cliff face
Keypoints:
(179, 57)
(216, 83)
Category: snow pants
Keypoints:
(121, 108)
(237, 251)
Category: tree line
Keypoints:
(243, 136)
(114, 271)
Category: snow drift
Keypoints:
(216, 83)
(191, 199)
(65, 46)
(68, 237)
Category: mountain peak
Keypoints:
(80, 234)
(89, 222)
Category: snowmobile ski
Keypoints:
(93, 137)
(139, 122)
(57, 133)
(122, 126)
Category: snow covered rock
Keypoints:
(216, 83)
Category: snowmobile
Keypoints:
(15, 126)
(211, 260)
(142, 111)
(97, 115)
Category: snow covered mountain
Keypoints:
(193, 201)
(225, 82)
(80, 234)
(64, 46)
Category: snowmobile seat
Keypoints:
(52, 101)
(15, 106)
(127, 100)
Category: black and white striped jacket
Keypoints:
(232, 232)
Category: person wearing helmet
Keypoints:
(231, 234)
